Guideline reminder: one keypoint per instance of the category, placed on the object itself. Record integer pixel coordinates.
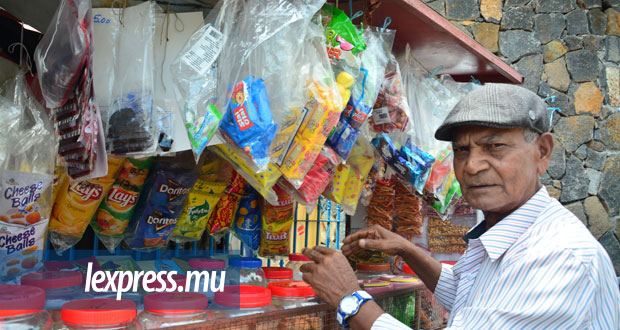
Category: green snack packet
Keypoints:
(342, 35)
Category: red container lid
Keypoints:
(20, 299)
(408, 270)
(244, 296)
(207, 263)
(102, 311)
(298, 257)
(53, 279)
(179, 279)
(175, 302)
(278, 273)
(291, 289)
(373, 267)
(449, 262)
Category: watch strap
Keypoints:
(362, 297)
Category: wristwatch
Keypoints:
(350, 305)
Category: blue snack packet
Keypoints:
(248, 123)
(343, 139)
(248, 219)
(159, 207)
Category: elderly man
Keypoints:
(531, 264)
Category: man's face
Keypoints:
(497, 169)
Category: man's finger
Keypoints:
(352, 249)
(370, 244)
(308, 267)
(357, 235)
(314, 255)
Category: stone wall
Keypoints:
(569, 49)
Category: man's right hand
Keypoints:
(374, 238)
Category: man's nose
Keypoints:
(476, 162)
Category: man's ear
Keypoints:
(544, 144)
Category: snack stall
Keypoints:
(223, 137)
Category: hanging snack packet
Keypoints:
(248, 219)
(76, 204)
(224, 213)
(276, 227)
(160, 205)
(117, 208)
(391, 108)
(201, 202)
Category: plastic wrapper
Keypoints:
(132, 121)
(160, 205)
(247, 222)
(380, 210)
(390, 113)
(76, 204)
(201, 202)
(262, 42)
(277, 221)
(64, 64)
(195, 81)
(223, 215)
(27, 153)
(407, 210)
(118, 206)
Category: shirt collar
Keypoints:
(506, 232)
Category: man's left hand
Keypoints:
(330, 274)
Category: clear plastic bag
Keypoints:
(390, 113)
(27, 157)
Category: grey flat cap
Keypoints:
(497, 105)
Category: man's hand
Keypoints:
(330, 275)
(375, 238)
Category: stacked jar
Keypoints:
(273, 274)
(21, 308)
(214, 267)
(99, 314)
(60, 287)
(370, 271)
(240, 300)
(170, 309)
(246, 271)
(292, 294)
(295, 261)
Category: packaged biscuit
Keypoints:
(201, 202)
(76, 204)
(117, 208)
(159, 206)
(247, 222)
(277, 221)
(224, 213)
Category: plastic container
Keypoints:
(295, 261)
(60, 287)
(246, 271)
(402, 281)
(214, 267)
(369, 271)
(408, 270)
(21, 308)
(170, 309)
(377, 286)
(292, 294)
(273, 274)
(100, 314)
(240, 300)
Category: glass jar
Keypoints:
(60, 287)
(273, 274)
(240, 300)
(369, 271)
(100, 314)
(246, 271)
(377, 286)
(214, 267)
(21, 308)
(135, 296)
(292, 294)
(170, 309)
(402, 281)
(294, 262)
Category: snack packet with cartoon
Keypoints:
(160, 205)
(248, 219)
(223, 215)
(276, 225)
(120, 202)
(201, 202)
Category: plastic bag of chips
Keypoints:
(247, 224)
(276, 225)
(223, 215)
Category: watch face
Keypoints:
(348, 304)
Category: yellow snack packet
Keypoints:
(202, 199)
(277, 222)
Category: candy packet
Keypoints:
(200, 204)
(223, 215)
(27, 153)
(118, 206)
(390, 113)
(277, 221)
(247, 224)
(76, 204)
(160, 204)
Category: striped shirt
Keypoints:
(538, 268)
